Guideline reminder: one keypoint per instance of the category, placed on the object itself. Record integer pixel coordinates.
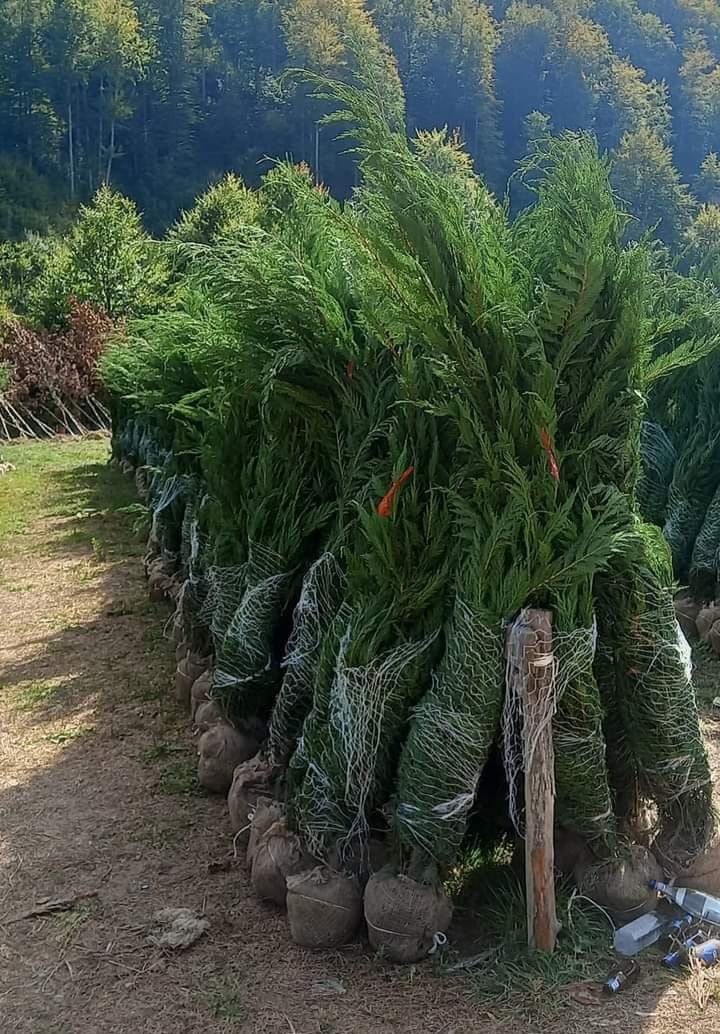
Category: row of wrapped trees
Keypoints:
(377, 433)
(680, 485)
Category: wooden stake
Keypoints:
(538, 682)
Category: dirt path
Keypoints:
(98, 796)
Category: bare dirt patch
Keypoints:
(99, 801)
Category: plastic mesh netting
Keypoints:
(662, 721)
(167, 509)
(584, 801)
(450, 737)
(319, 602)
(246, 674)
(224, 588)
(706, 551)
(658, 463)
(345, 781)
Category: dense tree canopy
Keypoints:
(161, 97)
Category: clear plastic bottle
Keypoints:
(702, 906)
(622, 977)
(642, 933)
(679, 954)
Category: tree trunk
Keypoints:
(88, 142)
(71, 147)
(101, 130)
(111, 153)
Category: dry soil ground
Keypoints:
(98, 801)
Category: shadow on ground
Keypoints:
(83, 611)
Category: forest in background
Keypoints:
(162, 97)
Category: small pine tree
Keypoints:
(702, 241)
(707, 183)
(222, 211)
(107, 260)
(647, 181)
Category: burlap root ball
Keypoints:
(158, 586)
(622, 886)
(265, 814)
(706, 619)
(184, 683)
(153, 552)
(687, 610)
(279, 854)
(713, 638)
(699, 872)
(198, 664)
(251, 781)
(222, 748)
(201, 691)
(571, 852)
(178, 629)
(403, 916)
(324, 908)
(176, 586)
(208, 714)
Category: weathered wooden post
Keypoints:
(538, 704)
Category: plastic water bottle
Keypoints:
(702, 906)
(643, 932)
(674, 959)
(707, 953)
(622, 977)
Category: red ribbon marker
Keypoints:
(385, 507)
(550, 452)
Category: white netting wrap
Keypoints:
(135, 433)
(153, 455)
(242, 656)
(172, 490)
(319, 602)
(245, 662)
(124, 439)
(189, 530)
(584, 800)
(194, 548)
(310, 742)
(660, 714)
(367, 707)
(451, 734)
(681, 526)
(706, 551)
(145, 447)
(658, 463)
(224, 586)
